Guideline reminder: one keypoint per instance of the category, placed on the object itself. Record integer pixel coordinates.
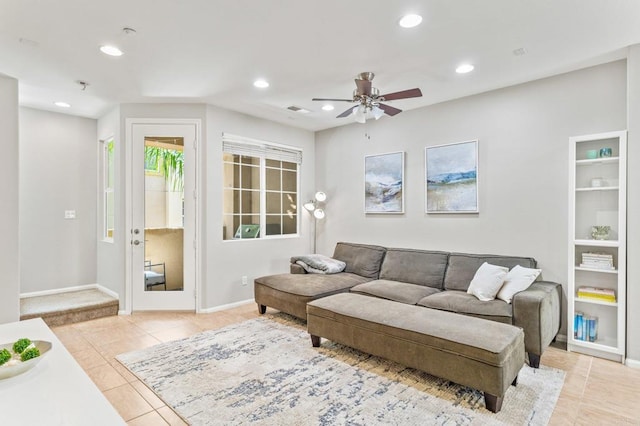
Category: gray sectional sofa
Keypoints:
(432, 279)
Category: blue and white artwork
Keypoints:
(452, 178)
(384, 183)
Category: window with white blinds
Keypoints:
(260, 193)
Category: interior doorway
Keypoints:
(163, 206)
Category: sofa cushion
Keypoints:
(462, 267)
(487, 281)
(518, 279)
(311, 284)
(467, 304)
(420, 267)
(394, 290)
(361, 259)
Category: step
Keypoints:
(69, 307)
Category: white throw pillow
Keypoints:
(487, 281)
(517, 280)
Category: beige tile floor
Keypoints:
(595, 392)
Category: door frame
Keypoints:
(129, 125)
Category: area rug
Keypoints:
(265, 371)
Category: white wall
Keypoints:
(9, 218)
(633, 205)
(227, 261)
(57, 173)
(523, 136)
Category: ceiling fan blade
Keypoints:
(332, 100)
(411, 93)
(389, 110)
(346, 113)
(364, 87)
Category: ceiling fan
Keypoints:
(370, 100)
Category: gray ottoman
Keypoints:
(485, 355)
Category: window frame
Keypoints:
(261, 150)
(107, 177)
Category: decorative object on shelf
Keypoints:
(606, 152)
(452, 178)
(600, 232)
(592, 154)
(384, 183)
(315, 207)
(585, 327)
(597, 182)
(597, 261)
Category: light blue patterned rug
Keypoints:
(265, 371)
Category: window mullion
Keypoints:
(263, 197)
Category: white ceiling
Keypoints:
(211, 51)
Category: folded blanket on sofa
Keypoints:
(319, 264)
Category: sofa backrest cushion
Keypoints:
(420, 267)
(462, 267)
(361, 259)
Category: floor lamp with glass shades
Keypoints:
(315, 206)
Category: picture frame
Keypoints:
(451, 178)
(384, 183)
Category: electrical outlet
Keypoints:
(244, 280)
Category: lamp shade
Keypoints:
(320, 196)
(310, 206)
(360, 114)
(318, 214)
(377, 112)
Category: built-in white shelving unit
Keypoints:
(597, 197)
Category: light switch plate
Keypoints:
(69, 214)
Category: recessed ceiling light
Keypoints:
(260, 83)
(464, 68)
(410, 21)
(62, 104)
(111, 50)
(327, 107)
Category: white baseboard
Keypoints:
(70, 289)
(225, 307)
(633, 363)
(561, 338)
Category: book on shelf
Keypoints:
(595, 293)
(597, 261)
(598, 266)
(585, 327)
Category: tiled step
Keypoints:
(70, 307)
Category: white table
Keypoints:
(56, 391)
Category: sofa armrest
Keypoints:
(296, 269)
(537, 310)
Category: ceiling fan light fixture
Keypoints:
(464, 68)
(410, 20)
(327, 107)
(111, 50)
(261, 83)
(377, 112)
(359, 112)
(62, 104)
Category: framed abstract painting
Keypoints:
(384, 183)
(451, 178)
